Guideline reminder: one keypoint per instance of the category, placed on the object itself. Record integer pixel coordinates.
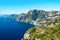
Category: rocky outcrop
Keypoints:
(46, 33)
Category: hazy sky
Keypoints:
(23, 6)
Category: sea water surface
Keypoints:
(10, 29)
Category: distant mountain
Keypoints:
(10, 16)
(38, 17)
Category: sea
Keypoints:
(10, 29)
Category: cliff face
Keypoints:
(37, 17)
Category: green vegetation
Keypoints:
(47, 33)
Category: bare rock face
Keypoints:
(37, 17)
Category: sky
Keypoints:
(23, 6)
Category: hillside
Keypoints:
(46, 33)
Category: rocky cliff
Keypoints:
(38, 17)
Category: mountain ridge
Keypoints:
(37, 17)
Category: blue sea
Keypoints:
(10, 29)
